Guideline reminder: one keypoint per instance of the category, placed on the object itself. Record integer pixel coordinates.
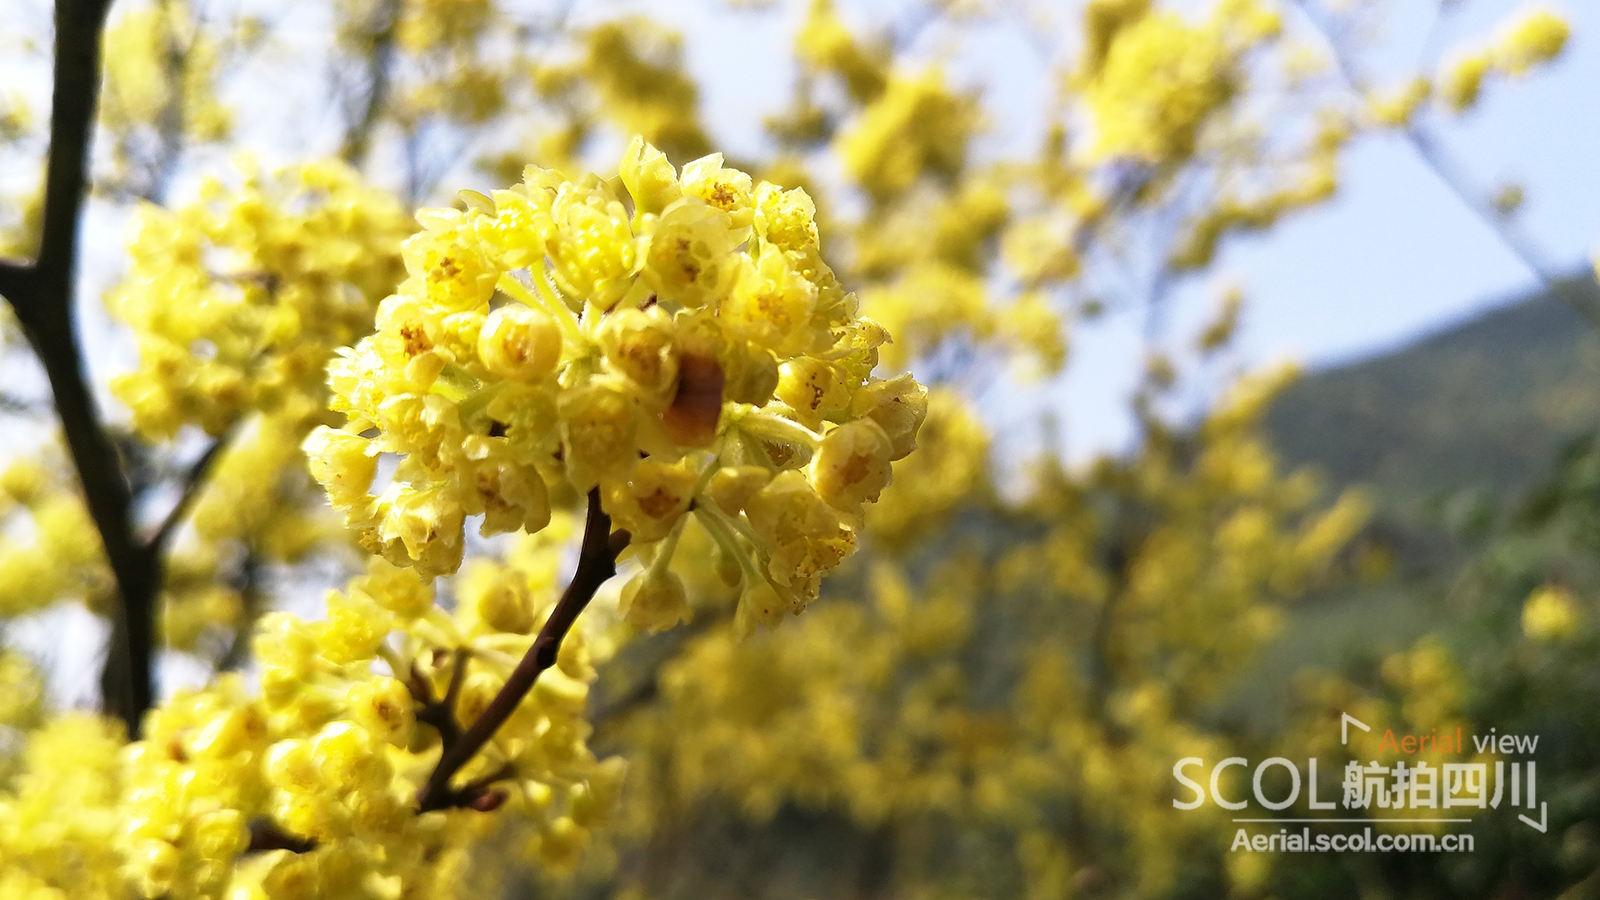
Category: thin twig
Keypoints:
(170, 121)
(193, 485)
(380, 63)
(441, 714)
(1530, 256)
(1434, 157)
(18, 406)
(597, 562)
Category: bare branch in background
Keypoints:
(193, 483)
(362, 115)
(170, 124)
(1433, 155)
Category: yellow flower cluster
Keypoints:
(923, 258)
(636, 68)
(1162, 78)
(849, 709)
(914, 126)
(21, 701)
(1421, 689)
(434, 65)
(824, 43)
(59, 818)
(628, 73)
(988, 690)
(49, 549)
(687, 349)
(1395, 109)
(1310, 180)
(237, 301)
(1549, 614)
(1533, 38)
(308, 789)
(430, 23)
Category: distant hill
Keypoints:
(1482, 404)
(1451, 426)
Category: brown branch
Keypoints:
(265, 835)
(41, 294)
(14, 279)
(597, 562)
(441, 714)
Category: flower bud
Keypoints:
(343, 463)
(803, 534)
(812, 388)
(733, 486)
(349, 758)
(852, 465)
(593, 802)
(651, 500)
(760, 605)
(752, 375)
(421, 528)
(1549, 614)
(478, 690)
(771, 303)
(691, 259)
(157, 863)
(519, 343)
(640, 344)
(592, 250)
(598, 433)
(899, 405)
(649, 177)
(384, 707)
(221, 835)
(557, 691)
(400, 591)
(290, 766)
(500, 598)
(655, 601)
(23, 480)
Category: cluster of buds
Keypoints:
(674, 341)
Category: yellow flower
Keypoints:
(1549, 613)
